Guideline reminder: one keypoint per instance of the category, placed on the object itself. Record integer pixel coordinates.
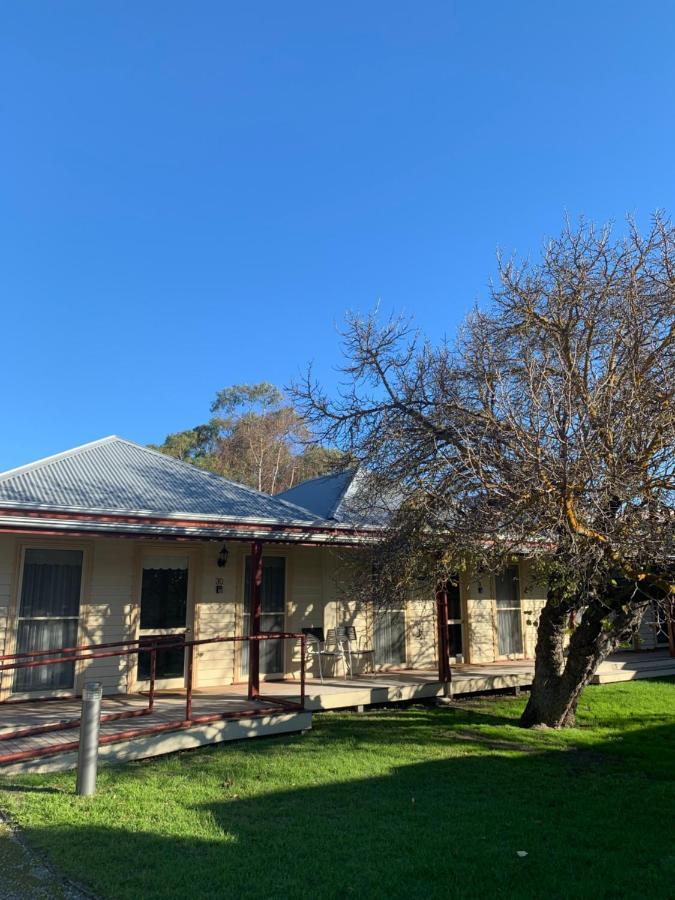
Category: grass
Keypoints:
(419, 802)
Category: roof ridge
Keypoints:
(354, 472)
(212, 478)
(210, 474)
(55, 457)
(320, 477)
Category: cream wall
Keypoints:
(481, 614)
(106, 610)
(314, 597)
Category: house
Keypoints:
(113, 542)
(181, 592)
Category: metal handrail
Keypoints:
(35, 659)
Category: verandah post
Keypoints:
(255, 606)
(444, 673)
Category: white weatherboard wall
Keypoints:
(481, 615)
(214, 614)
(107, 606)
(316, 595)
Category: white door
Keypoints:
(165, 617)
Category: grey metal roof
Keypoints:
(118, 476)
(321, 495)
(342, 497)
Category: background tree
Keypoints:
(255, 437)
(548, 429)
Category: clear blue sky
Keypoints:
(193, 193)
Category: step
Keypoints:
(601, 677)
(658, 662)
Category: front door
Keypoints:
(389, 637)
(165, 617)
(455, 620)
(48, 615)
(661, 621)
(273, 617)
(509, 618)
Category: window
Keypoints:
(49, 613)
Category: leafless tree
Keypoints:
(546, 429)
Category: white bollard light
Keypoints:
(90, 724)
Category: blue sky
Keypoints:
(193, 193)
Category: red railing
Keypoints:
(36, 658)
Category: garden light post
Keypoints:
(90, 724)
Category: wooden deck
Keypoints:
(248, 719)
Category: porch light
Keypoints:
(222, 557)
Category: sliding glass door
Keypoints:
(273, 603)
(48, 615)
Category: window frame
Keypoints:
(12, 632)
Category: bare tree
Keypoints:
(548, 429)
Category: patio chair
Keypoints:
(346, 635)
(319, 646)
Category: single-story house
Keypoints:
(113, 542)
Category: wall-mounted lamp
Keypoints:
(222, 557)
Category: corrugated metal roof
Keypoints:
(118, 476)
(321, 495)
(341, 497)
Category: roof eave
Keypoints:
(61, 522)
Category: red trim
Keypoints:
(213, 524)
(30, 660)
(175, 725)
(255, 609)
(444, 673)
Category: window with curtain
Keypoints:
(273, 603)
(509, 625)
(49, 613)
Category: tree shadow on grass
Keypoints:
(450, 827)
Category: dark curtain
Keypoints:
(273, 602)
(164, 598)
(49, 612)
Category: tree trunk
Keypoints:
(559, 679)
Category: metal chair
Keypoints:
(318, 644)
(346, 635)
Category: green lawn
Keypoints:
(421, 802)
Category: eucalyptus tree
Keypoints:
(545, 429)
(255, 437)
